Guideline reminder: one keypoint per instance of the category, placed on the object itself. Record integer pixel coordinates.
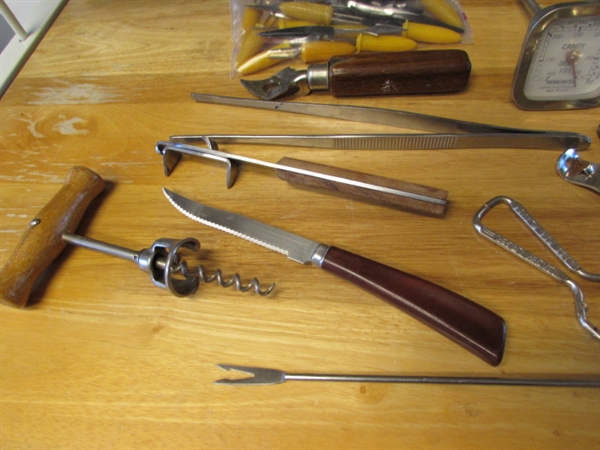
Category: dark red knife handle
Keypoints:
(403, 73)
(470, 325)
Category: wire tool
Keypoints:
(538, 263)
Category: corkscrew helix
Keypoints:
(163, 262)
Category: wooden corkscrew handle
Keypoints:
(42, 241)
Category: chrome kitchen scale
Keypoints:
(559, 65)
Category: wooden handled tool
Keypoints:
(427, 200)
(372, 74)
(42, 241)
(52, 229)
(409, 196)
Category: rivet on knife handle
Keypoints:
(475, 328)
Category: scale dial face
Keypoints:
(559, 67)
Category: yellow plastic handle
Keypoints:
(442, 10)
(292, 23)
(250, 18)
(250, 46)
(430, 34)
(319, 51)
(313, 12)
(266, 59)
(370, 43)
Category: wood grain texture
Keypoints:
(104, 359)
(404, 73)
(42, 240)
(434, 203)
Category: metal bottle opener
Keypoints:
(578, 171)
(538, 263)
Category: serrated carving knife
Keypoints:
(475, 328)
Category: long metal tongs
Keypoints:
(447, 133)
(263, 377)
(538, 263)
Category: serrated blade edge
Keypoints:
(293, 246)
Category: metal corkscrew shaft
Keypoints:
(163, 262)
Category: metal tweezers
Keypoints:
(444, 133)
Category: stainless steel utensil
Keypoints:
(263, 377)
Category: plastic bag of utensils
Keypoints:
(269, 32)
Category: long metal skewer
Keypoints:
(264, 377)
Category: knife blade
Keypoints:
(470, 325)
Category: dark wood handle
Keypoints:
(414, 72)
(42, 241)
(386, 198)
(477, 329)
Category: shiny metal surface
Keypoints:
(538, 263)
(565, 24)
(293, 246)
(263, 377)
(449, 133)
(163, 263)
(166, 147)
(578, 171)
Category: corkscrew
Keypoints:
(49, 232)
(163, 262)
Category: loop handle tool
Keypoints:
(580, 303)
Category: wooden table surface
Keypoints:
(102, 358)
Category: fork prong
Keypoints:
(259, 376)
